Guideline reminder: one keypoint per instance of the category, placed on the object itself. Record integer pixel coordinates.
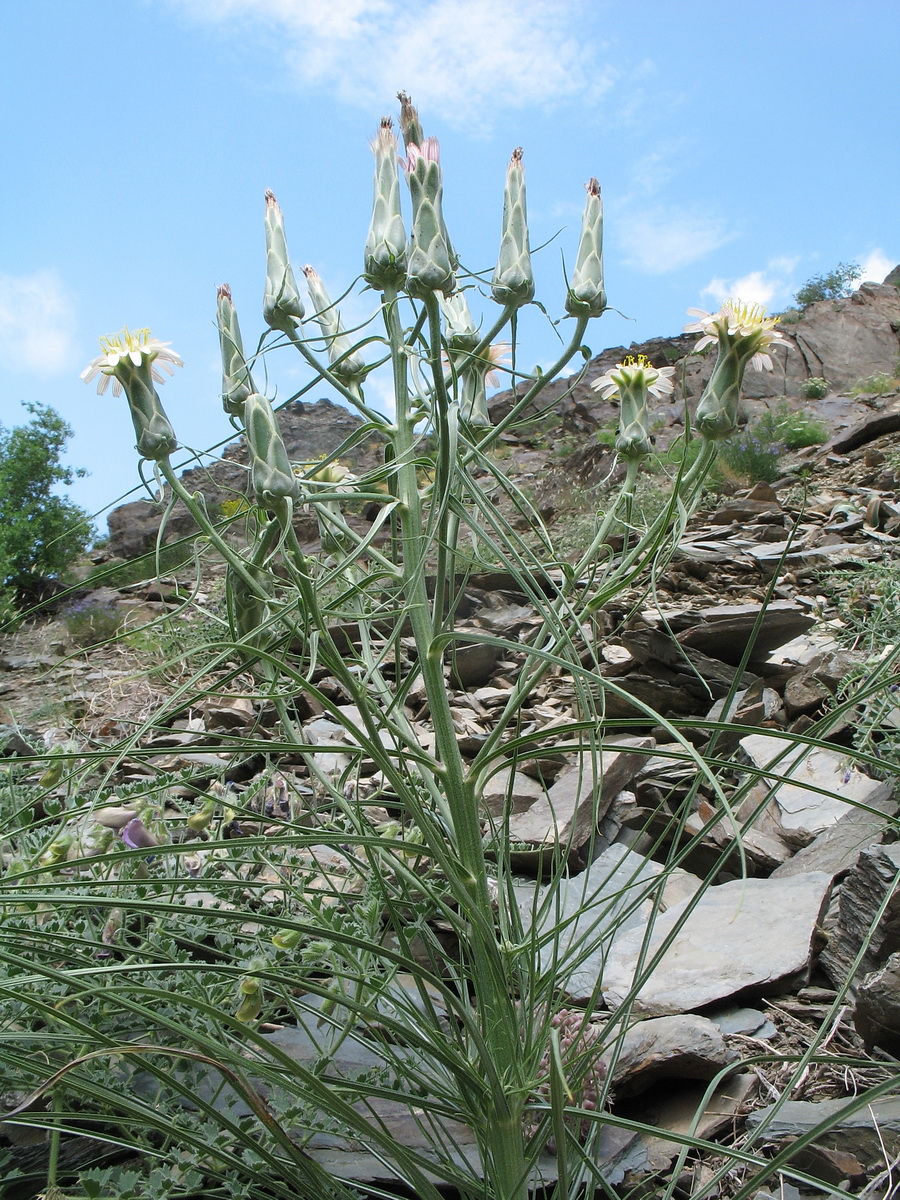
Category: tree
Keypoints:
(836, 285)
(41, 534)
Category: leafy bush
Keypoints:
(835, 285)
(878, 384)
(814, 388)
(41, 534)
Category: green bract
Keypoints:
(237, 383)
(282, 306)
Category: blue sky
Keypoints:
(741, 148)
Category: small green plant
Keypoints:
(791, 429)
(878, 384)
(751, 457)
(835, 285)
(91, 622)
(814, 388)
(790, 316)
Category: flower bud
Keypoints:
(586, 296)
(460, 330)
(282, 306)
(237, 383)
(385, 255)
(429, 268)
(270, 468)
(345, 363)
(513, 281)
(410, 126)
(132, 362)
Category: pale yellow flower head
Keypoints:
(635, 371)
(127, 348)
(739, 322)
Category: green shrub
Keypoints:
(875, 385)
(814, 388)
(835, 285)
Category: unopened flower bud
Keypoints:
(429, 268)
(410, 126)
(345, 363)
(270, 468)
(461, 332)
(282, 306)
(385, 255)
(586, 296)
(237, 383)
(513, 281)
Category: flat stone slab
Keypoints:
(821, 786)
(566, 816)
(866, 1132)
(593, 908)
(746, 936)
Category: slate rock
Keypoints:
(871, 882)
(16, 742)
(612, 896)
(819, 785)
(877, 1012)
(855, 1126)
(837, 848)
(724, 631)
(673, 1047)
(566, 816)
(746, 936)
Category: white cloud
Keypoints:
(875, 266)
(770, 286)
(659, 240)
(36, 323)
(459, 59)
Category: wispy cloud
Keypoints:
(460, 59)
(658, 239)
(875, 266)
(771, 286)
(37, 320)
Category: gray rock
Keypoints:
(866, 888)
(16, 742)
(845, 340)
(837, 848)
(855, 1125)
(595, 907)
(877, 1013)
(309, 431)
(675, 1047)
(820, 786)
(749, 1022)
(567, 815)
(747, 936)
(723, 632)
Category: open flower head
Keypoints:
(126, 349)
(745, 326)
(635, 372)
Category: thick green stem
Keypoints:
(502, 1132)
